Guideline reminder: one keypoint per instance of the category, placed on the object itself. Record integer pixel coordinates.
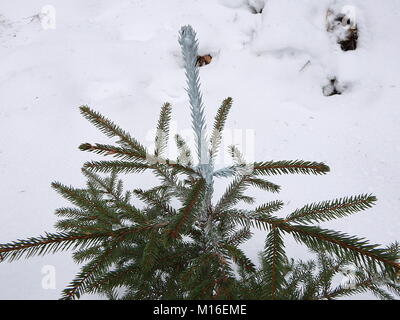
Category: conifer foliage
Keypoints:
(192, 250)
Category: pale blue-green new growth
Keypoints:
(189, 46)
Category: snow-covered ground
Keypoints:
(122, 58)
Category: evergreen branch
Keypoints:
(88, 274)
(237, 157)
(246, 199)
(119, 203)
(259, 218)
(225, 172)
(252, 219)
(118, 152)
(219, 124)
(304, 281)
(342, 291)
(189, 209)
(116, 166)
(131, 155)
(81, 199)
(129, 212)
(50, 243)
(170, 180)
(162, 134)
(264, 185)
(86, 254)
(233, 194)
(328, 210)
(181, 168)
(103, 184)
(111, 130)
(381, 294)
(239, 237)
(185, 155)
(394, 286)
(73, 213)
(365, 280)
(115, 278)
(270, 207)
(288, 167)
(81, 225)
(353, 248)
(275, 262)
(150, 251)
(239, 257)
(154, 200)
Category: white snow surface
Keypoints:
(122, 58)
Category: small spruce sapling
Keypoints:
(190, 250)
